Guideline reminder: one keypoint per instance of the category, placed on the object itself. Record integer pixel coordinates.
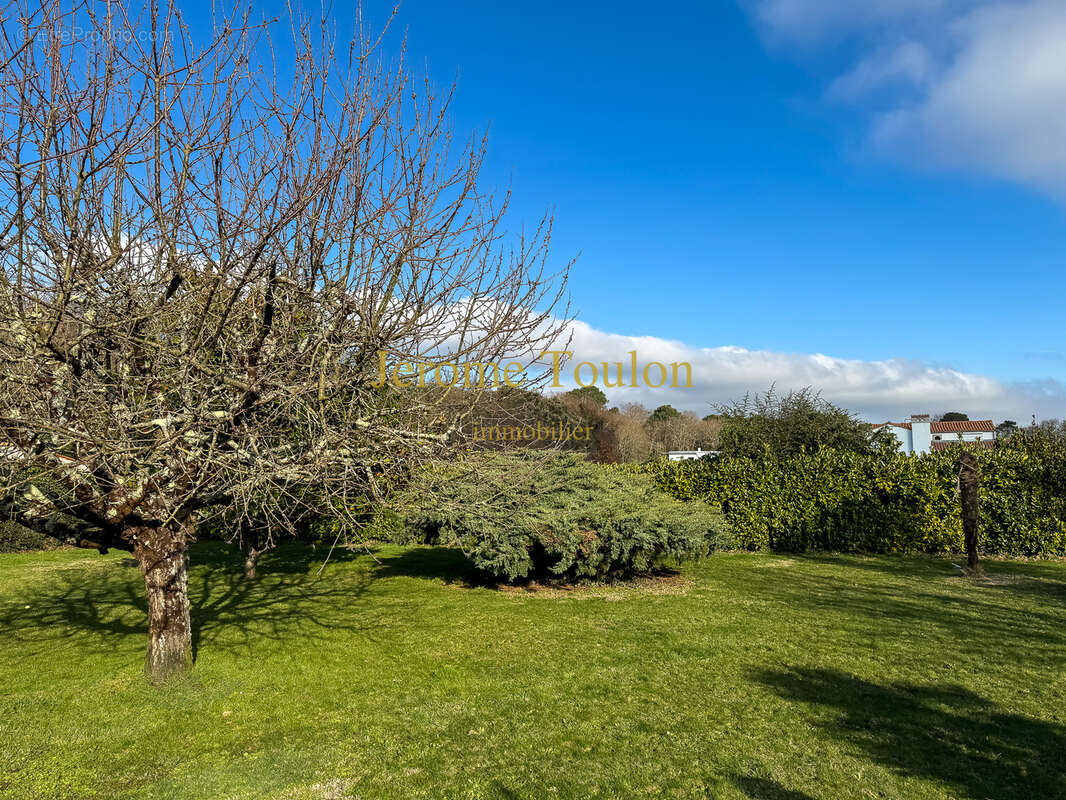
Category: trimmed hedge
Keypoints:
(523, 515)
(881, 503)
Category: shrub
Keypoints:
(536, 514)
(14, 539)
(778, 426)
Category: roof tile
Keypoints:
(967, 426)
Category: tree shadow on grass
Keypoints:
(1045, 581)
(451, 566)
(289, 598)
(910, 604)
(446, 564)
(499, 791)
(106, 599)
(765, 789)
(948, 734)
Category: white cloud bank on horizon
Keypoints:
(876, 390)
(968, 85)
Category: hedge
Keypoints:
(881, 503)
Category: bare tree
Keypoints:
(684, 431)
(631, 431)
(205, 247)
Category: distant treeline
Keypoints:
(615, 434)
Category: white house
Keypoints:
(685, 455)
(920, 434)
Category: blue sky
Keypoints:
(787, 176)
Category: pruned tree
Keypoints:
(206, 244)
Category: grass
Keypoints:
(748, 676)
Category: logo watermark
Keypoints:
(553, 432)
(655, 374)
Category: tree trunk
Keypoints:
(164, 560)
(250, 560)
(968, 480)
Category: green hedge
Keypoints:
(524, 515)
(883, 503)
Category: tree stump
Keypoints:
(969, 476)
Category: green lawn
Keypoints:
(756, 676)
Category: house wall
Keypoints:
(966, 437)
(686, 455)
(903, 436)
(921, 437)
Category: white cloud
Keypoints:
(877, 390)
(909, 62)
(1000, 106)
(807, 21)
(986, 80)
